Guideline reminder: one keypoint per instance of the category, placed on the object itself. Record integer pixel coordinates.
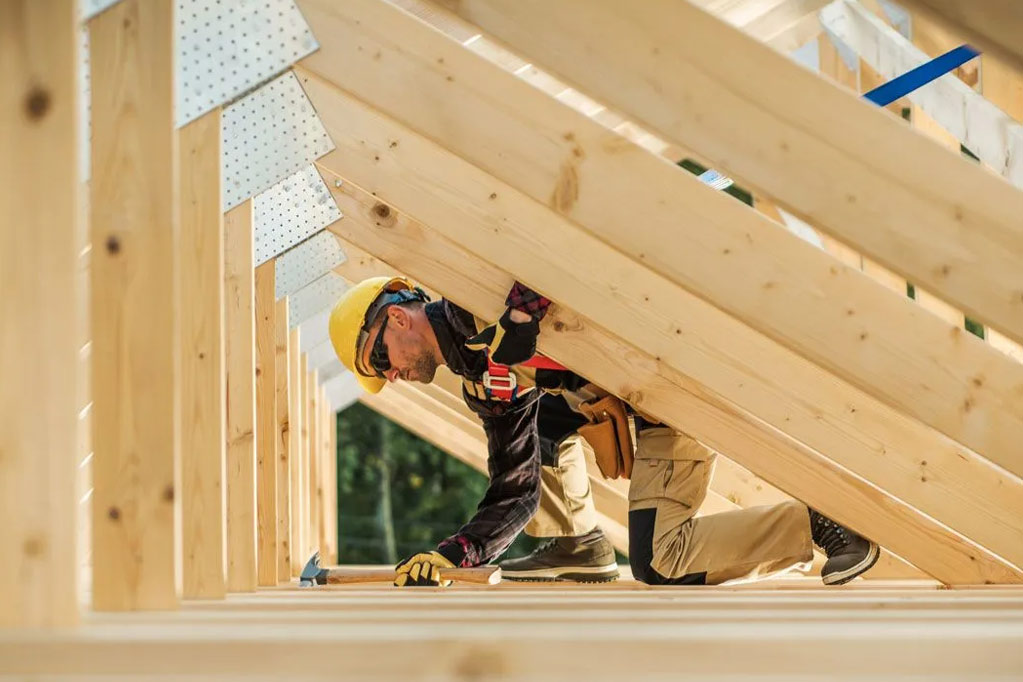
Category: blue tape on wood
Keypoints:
(901, 86)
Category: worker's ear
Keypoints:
(399, 317)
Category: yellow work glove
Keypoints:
(422, 570)
(508, 341)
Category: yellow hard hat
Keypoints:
(350, 320)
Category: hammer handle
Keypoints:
(479, 575)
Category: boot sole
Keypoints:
(842, 577)
(576, 574)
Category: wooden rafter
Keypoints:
(798, 138)
(412, 247)
(695, 237)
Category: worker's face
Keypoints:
(407, 347)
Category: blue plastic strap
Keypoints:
(901, 86)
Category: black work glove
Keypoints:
(509, 342)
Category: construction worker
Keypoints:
(384, 329)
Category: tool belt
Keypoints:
(609, 435)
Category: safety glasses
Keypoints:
(379, 356)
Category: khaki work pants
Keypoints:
(566, 502)
(668, 544)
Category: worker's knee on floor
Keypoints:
(641, 543)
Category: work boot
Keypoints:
(587, 558)
(849, 554)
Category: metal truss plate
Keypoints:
(315, 298)
(91, 8)
(289, 213)
(314, 331)
(226, 47)
(307, 261)
(268, 136)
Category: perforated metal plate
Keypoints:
(321, 355)
(314, 331)
(267, 136)
(91, 8)
(307, 261)
(290, 212)
(315, 298)
(342, 390)
(226, 47)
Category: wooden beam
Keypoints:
(283, 382)
(324, 491)
(990, 24)
(306, 463)
(266, 426)
(134, 180)
(968, 117)
(295, 426)
(313, 464)
(240, 343)
(203, 409)
(801, 140)
(333, 510)
(366, 140)
(480, 286)
(41, 219)
(725, 254)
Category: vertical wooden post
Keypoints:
(39, 222)
(240, 340)
(266, 425)
(295, 423)
(324, 492)
(307, 418)
(283, 443)
(203, 412)
(136, 549)
(334, 509)
(315, 488)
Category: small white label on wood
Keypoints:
(268, 136)
(227, 47)
(306, 262)
(315, 298)
(290, 212)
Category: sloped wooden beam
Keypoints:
(134, 224)
(40, 229)
(797, 138)
(704, 241)
(981, 126)
(680, 331)
(411, 247)
(283, 433)
(732, 486)
(993, 24)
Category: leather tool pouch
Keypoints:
(609, 436)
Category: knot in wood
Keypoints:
(37, 103)
(382, 210)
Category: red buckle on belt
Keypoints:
(499, 381)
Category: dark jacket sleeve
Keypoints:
(513, 495)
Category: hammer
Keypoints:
(313, 574)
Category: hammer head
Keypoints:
(312, 574)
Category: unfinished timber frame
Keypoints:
(186, 193)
